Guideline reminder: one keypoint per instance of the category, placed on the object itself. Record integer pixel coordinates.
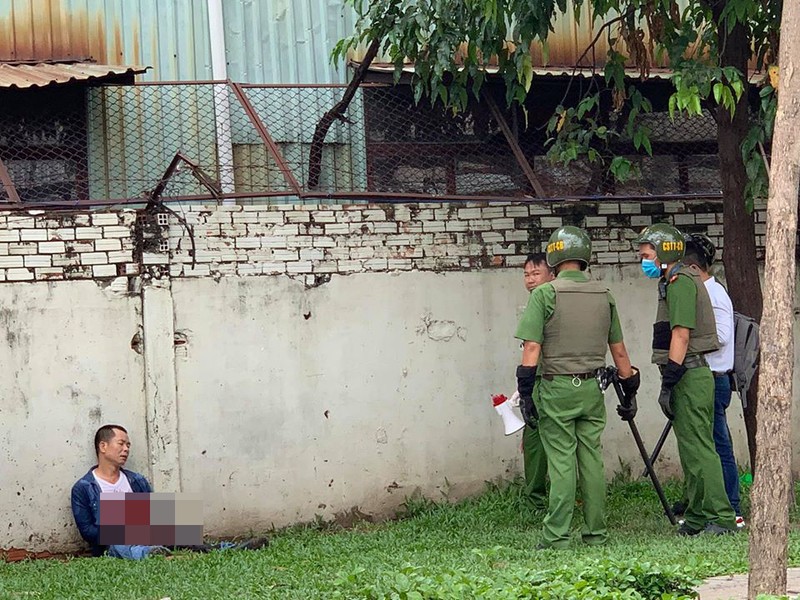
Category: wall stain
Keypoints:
(440, 331)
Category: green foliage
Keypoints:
(451, 43)
(753, 148)
(696, 83)
(597, 580)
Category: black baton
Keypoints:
(659, 445)
(642, 450)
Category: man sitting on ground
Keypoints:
(112, 446)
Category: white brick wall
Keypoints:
(355, 238)
(303, 240)
(66, 245)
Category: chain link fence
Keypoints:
(106, 144)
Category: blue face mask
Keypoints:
(650, 268)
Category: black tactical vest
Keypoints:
(703, 338)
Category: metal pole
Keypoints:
(8, 184)
(222, 109)
(513, 143)
(659, 445)
(643, 451)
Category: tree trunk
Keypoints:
(769, 520)
(739, 256)
(337, 112)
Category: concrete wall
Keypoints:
(384, 389)
(67, 368)
(315, 359)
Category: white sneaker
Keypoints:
(740, 522)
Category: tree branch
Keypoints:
(590, 48)
(337, 113)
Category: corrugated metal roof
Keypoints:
(267, 41)
(654, 73)
(285, 41)
(42, 74)
(660, 73)
(568, 44)
(170, 35)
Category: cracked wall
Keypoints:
(313, 359)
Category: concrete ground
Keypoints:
(734, 587)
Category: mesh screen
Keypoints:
(107, 143)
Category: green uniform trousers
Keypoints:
(571, 421)
(693, 406)
(535, 460)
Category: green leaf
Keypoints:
(694, 105)
(418, 90)
(647, 146)
(637, 139)
(527, 72)
(718, 91)
(738, 87)
(621, 168)
(728, 102)
(442, 92)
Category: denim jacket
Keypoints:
(86, 505)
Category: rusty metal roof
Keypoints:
(555, 71)
(25, 75)
(655, 73)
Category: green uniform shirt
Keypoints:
(542, 303)
(682, 303)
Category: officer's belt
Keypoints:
(697, 360)
(586, 375)
(691, 362)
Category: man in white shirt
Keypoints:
(700, 252)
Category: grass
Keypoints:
(484, 539)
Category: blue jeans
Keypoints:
(130, 552)
(722, 440)
(140, 552)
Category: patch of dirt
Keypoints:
(18, 554)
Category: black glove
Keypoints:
(628, 411)
(526, 378)
(629, 386)
(670, 376)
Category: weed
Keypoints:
(416, 505)
(623, 475)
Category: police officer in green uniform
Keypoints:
(537, 272)
(684, 331)
(566, 328)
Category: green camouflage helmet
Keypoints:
(568, 243)
(666, 239)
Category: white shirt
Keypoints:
(721, 360)
(122, 486)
